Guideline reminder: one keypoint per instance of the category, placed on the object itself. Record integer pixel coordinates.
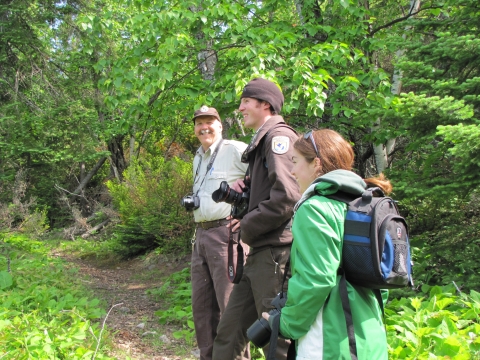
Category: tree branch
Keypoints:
(90, 174)
(95, 228)
(406, 17)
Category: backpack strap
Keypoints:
(347, 310)
(361, 229)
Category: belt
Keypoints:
(205, 225)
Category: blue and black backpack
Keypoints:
(376, 249)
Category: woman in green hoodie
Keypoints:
(313, 314)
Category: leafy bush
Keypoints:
(19, 212)
(445, 240)
(44, 313)
(177, 289)
(440, 324)
(148, 201)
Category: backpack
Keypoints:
(375, 254)
(376, 250)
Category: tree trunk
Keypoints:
(382, 151)
(95, 228)
(90, 174)
(117, 158)
(207, 58)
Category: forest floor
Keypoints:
(134, 328)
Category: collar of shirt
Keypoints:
(256, 133)
(210, 150)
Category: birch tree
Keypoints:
(384, 149)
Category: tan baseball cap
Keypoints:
(206, 111)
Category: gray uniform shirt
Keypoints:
(226, 167)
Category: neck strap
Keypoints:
(210, 164)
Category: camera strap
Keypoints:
(235, 274)
(209, 166)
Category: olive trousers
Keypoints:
(261, 282)
(211, 287)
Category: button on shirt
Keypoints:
(226, 167)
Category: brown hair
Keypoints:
(381, 182)
(335, 153)
(260, 102)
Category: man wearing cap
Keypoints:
(266, 228)
(216, 160)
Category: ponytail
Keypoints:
(381, 182)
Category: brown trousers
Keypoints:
(210, 285)
(261, 282)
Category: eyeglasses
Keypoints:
(309, 135)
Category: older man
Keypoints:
(216, 160)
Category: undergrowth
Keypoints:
(177, 291)
(44, 311)
(436, 323)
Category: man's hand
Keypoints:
(234, 223)
(238, 186)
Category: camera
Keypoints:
(238, 200)
(259, 332)
(190, 202)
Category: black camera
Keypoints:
(238, 200)
(190, 202)
(259, 332)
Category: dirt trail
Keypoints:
(136, 331)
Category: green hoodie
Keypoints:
(313, 314)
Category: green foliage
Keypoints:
(148, 202)
(319, 55)
(44, 313)
(439, 324)
(438, 115)
(465, 150)
(446, 238)
(19, 212)
(23, 242)
(36, 224)
(426, 161)
(6, 280)
(177, 291)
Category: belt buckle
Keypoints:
(204, 225)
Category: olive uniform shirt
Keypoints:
(226, 167)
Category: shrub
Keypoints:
(19, 212)
(445, 240)
(177, 291)
(44, 311)
(441, 324)
(148, 201)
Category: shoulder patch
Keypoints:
(280, 144)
